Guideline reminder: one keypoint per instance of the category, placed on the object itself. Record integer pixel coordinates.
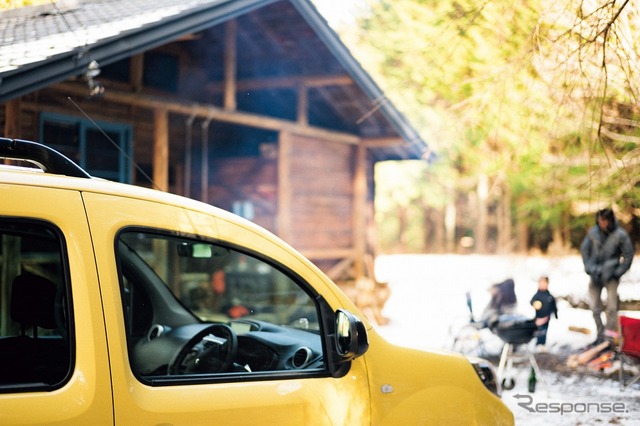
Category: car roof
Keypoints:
(34, 177)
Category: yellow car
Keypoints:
(123, 305)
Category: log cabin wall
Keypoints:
(246, 186)
(321, 189)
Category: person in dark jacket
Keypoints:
(545, 305)
(607, 253)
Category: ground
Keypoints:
(427, 305)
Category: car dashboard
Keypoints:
(259, 347)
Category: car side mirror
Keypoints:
(351, 336)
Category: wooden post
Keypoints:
(187, 155)
(161, 149)
(359, 210)
(204, 161)
(12, 119)
(283, 223)
(303, 105)
(136, 68)
(230, 65)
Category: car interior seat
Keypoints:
(27, 357)
(32, 303)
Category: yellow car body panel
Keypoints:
(409, 386)
(86, 397)
(305, 401)
(387, 385)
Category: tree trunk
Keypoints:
(523, 235)
(402, 228)
(505, 221)
(427, 226)
(450, 222)
(482, 191)
(438, 228)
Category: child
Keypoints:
(545, 305)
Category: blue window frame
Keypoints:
(102, 156)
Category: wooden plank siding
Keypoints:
(321, 180)
(251, 179)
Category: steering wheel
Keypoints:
(211, 350)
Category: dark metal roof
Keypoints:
(286, 39)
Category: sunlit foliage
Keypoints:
(539, 97)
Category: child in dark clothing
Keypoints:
(545, 306)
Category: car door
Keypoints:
(212, 321)
(53, 355)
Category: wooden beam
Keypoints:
(180, 106)
(230, 36)
(161, 149)
(284, 83)
(383, 142)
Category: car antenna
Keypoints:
(114, 144)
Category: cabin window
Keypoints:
(103, 151)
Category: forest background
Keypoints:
(530, 109)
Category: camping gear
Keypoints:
(630, 348)
(515, 332)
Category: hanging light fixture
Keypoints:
(96, 88)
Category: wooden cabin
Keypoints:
(253, 106)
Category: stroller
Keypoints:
(470, 336)
(501, 319)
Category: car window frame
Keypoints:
(323, 311)
(65, 277)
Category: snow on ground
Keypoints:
(428, 304)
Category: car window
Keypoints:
(194, 307)
(35, 348)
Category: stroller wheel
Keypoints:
(508, 384)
